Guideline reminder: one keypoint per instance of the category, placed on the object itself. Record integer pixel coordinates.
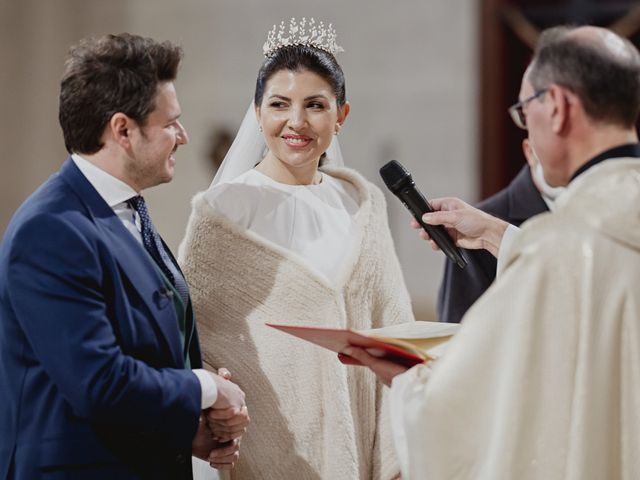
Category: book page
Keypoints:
(417, 329)
(421, 338)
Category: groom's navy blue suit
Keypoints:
(92, 365)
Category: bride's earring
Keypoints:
(337, 130)
(260, 128)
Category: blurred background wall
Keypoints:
(429, 82)
(412, 80)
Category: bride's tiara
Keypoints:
(301, 33)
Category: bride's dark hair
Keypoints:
(302, 57)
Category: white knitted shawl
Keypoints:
(312, 417)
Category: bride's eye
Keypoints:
(316, 105)
(277, 104)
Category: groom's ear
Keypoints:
(119, 129)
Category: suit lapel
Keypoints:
(131, 256)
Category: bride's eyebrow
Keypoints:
(281, 97)
(312, 97)
(315, 97)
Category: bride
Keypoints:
(286, 234)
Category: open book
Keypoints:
(407, 343)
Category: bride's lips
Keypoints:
(297, 141)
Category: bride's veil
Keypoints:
(249, 148)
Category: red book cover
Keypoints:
(400, 348)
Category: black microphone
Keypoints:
(399, 181)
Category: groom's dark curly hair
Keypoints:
(107, 75)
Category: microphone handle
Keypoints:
(418, 206)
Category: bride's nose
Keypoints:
(297, 118)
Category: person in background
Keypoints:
(460, 288)
(525, 197)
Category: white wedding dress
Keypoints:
(315, 222)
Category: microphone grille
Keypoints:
(394, 174)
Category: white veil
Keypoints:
(249, 148)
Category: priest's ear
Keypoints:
(564, 106)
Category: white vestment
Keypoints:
(311, 417)
(543, 379)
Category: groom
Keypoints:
(97, 333)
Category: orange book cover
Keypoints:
(407, 344)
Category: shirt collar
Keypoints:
(112, 190)
(623, 151)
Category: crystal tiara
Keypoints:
(301, 33)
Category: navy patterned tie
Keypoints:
(155, 248)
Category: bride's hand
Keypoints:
(227, 424)
(225, 456)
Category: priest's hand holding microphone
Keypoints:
(469, 227)
(447, 223)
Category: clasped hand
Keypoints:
(221, 427)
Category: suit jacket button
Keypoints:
(162, 298)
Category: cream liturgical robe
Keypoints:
(311, 416)
(543, 379)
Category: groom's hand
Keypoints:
(228, 417)
(203, 443)
(220, 455)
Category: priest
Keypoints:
(543, 379)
